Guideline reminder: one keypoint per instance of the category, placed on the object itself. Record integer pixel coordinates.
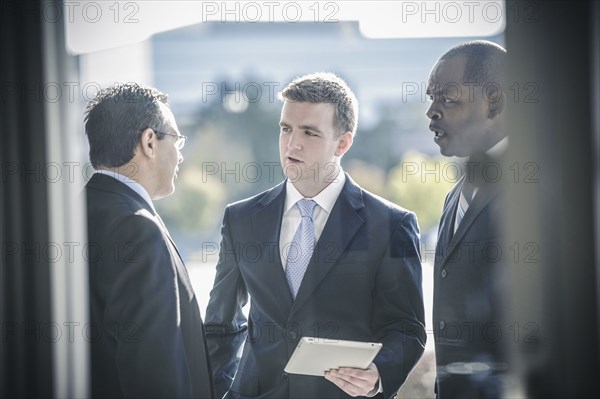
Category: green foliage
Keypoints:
(224, 153)
(420, 184)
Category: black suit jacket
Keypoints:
(146, 331)
(467, 318)
(363, 283)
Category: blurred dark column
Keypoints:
(25, 354)
(551, 124)
(596, 146)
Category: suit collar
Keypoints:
(499, 149)
(102, 182)
(272, 195)
(325, 199)
(129, 182)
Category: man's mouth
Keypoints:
(293, 160)
(439, 134)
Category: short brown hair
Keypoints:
(324, 87)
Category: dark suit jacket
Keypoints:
(146, 331)
(466, 306)
(363, 283)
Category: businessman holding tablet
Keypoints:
(331, 260)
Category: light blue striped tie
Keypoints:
(302, 246)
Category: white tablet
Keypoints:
(314, 356)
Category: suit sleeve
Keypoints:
(226, 325)
(142, 313)
(398, 313)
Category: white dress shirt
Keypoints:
(132, 184)
(291, 220)
(291, 214)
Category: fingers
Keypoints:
(355, 382)
(344, 383)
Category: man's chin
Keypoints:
(445, 152)
(293, 172)
(449, 152)
(164, 194)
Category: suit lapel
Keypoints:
(266, 226)
(165, 231)
(179, 262)
(485, 194)
(446, 228)
(341, 227)
(482, 198)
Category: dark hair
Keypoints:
(485, 61)
(327, 88)
(116, 118)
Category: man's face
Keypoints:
(168, 157)
(309, 145)
(459, 111)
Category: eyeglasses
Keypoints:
(180, 142)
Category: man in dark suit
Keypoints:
(148, 338)
(465, 87)
(319, 257)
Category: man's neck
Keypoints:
(133, 171)
(310, 189)
(128, 170)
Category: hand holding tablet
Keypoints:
(315, 356)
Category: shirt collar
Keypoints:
(325, 199)
(132, 184)
(499, 149)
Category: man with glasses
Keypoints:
(148, 338)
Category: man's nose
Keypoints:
(432, 113)
(295, 142)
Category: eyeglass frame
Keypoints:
(180, 139)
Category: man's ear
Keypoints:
(344, 144)
(147, 143)
(496, 104)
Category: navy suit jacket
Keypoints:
(467, 304)
(363, 283)
(147, 337)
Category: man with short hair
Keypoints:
(319, 257)
(149, 340)
(466, 114)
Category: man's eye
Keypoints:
(447, 100)
(285, 129)
(309, 133)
